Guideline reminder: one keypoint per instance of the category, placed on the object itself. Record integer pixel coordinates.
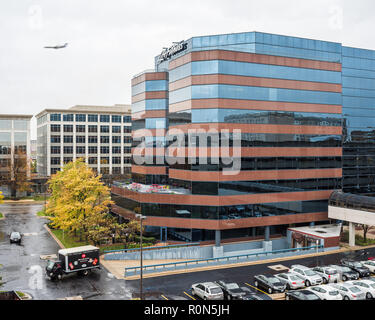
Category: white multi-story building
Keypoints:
(101, 135)
(14, 139)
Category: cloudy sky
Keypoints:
(110, 41)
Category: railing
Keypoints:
(154, 248)
(210, 261)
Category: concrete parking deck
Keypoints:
(117, 267)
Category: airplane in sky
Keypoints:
(57, 47)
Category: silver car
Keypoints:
(207, 291)
(310, 277)
(328, 274)
(291, 280)
(349, 292)
(367, 286)
(326, 292)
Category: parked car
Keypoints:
(326, 292)
(368, 287)
(231, 291)
(357, 267)
(270, 284)
(291, 280)
(369, 264)
(207, 291)
(328, 274)
(345, 272)
(309, 276)
(303, 294)
(15, 237)
(349, 292)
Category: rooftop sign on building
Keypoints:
(168, 53)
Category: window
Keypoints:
(127, 140)
(68, 128)
(127, 119)
(104, 160)
(116, 149)
(68, 117)
(104, 139)
(55, 128)
(55, 160)
(55, 150)
(127, 150)
(68, 149)
(80, 149)
(104, 129)
(67, 160)
(116, 129)
(116, 170)
(93, 139)
(5, 124)
(127, 129)
(92, 118)
(80, 128)
(116, 119)
(104, 150)
(80, 118)
(104, 170)
(104, 118)
(55, 117)
(93, 150)
(92, 128)
(20, 124)
(116, 160)
(55, 139)
(127, 160)
(54, 170)
(80, 139)
(93, 160)
(116, 139)
(68, 139)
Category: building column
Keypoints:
(267, 233)
(217, 238)
(351, 234)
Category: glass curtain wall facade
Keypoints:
(288, 103)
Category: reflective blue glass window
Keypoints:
(80, 117)
(55, 117)
(116, 118)
(68, 117)
(92, 118)
(156, 123)
(104, 118)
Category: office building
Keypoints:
(14, 143)
(99, 134)
(297, 116)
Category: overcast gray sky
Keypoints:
(110, 41)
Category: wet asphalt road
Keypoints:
(22, 269)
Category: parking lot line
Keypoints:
(256, 288)
(189, 296)
(164, 297)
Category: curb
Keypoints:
(54, 237)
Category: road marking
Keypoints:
(30, 234)
(189, 296)
(164, 297)
(256, 289)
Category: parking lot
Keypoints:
(178, 287)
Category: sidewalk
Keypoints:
(117, 268)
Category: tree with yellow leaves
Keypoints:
(79, 202)
(1, 197)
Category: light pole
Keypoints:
(141, 218)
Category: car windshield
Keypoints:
(232, 286)
(215, 290)
(334, 293)
(354, 289)
(310, 273)
(370, 263)
(372, 285)
(311, 297)
(50, 265)
(331, 271)
(346, 269)
(357, 264)
(295, 278)
(15, 234)
(273, 280)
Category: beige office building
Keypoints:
(99, 134)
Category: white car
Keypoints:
(349, 292)
(326, 292)
(328, 274)
(310, 277)
(366, 286)
(369, 264)
(291, 280)
(207, 291)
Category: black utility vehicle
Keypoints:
(357, 267)
(231, 291)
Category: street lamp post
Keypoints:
(141, 218)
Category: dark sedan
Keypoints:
(301, 295)
(270, 284)
(231, 290)
(357, 267)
